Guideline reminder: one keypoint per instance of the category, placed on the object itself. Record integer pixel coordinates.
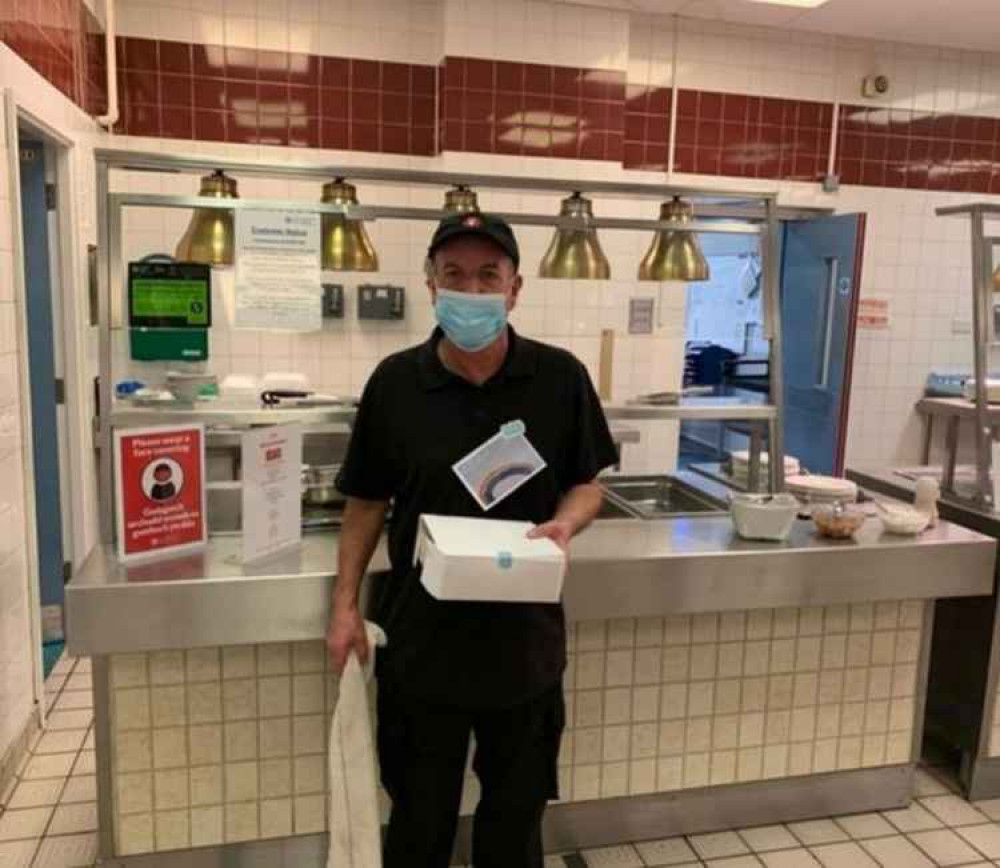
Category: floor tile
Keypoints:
(36, 794)
(925, 784)
(79, 681)
(799, 858)
(896, 852)
(74, 699)
(57, 765)
(670, 851)
(73, 819)
(944, 847)
(734, 862)
(953, 810)
(67, 851)
(818, 832)
(866, 826)
(765, 838)
(985, 838)
(83, 664)
(61, 741)
(846, 854)
(85, 763)
(622, 856)
(23, 824)
(990, 807)
(80, 788)
(79, 719)
(915, 818)
(17, 854)
(717, 845)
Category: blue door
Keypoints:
(820, 280)
(44, 427)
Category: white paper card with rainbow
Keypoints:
(500, 466)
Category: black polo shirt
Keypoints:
(415, 421)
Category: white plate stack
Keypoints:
(822, 489)
(740, 461)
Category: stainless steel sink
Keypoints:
(657, 496)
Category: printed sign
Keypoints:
(272, 490)
(873, 313)
(277, 271)
(161, 490)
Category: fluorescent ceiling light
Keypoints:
(799, 4)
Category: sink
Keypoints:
(657, 496)
(613, 509)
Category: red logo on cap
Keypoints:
(472, 221)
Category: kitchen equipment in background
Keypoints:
(345, 243)
(333, 300)
(822, 489)
(837, 520)
(192, 385)
(285, 381)
(992, 390)
(763, 516)
(575, 252)
(740, 465)
(461, 200)
(381, 302)
(302, 399)
(605, 365)
(675, 253)
(209, 238)
(169, 311)
(319, 485)
(942, 384)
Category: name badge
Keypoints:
(500, 466)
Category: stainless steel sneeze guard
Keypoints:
(619, 568)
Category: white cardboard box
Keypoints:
(488, 560)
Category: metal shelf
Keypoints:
(232, 417)
(694, 409)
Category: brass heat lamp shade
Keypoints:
(210, 234)
(345, 245)
(461, 200)
(575, 252)
(675, 253)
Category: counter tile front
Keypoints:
(229, 744)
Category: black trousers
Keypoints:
(422, 752)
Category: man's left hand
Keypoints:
(560, 532)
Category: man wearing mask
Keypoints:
(455, 669)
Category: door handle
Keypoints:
(832, 273)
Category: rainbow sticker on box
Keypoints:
(500, 466)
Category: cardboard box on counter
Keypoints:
(487, 560)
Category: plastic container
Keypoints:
(763, 517)
(837, 520)
(903, 519)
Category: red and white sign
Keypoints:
(873, 313)
(161, 490)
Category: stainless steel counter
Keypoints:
(618, 568)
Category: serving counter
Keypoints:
(963, 703)
(711, 682)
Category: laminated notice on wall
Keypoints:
(873, 313)
(278, 271)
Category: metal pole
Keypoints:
(104, 392)
(981, 313)
(770, 248)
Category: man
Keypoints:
(453, 669)
(163, 487)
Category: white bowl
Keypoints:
(903, 520)
(764, 518)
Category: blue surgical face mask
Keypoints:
(471, 320)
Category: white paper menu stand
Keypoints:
(272, 490)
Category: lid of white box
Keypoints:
(485, 537)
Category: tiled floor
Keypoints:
(48, 818)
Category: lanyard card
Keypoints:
(500, 466)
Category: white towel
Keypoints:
(355, 828)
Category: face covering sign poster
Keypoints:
(160, 504)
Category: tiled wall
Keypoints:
(63, 42)
(229, 744)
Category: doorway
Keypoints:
(726, 352)
(43, 312)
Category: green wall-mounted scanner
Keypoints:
(169, 311)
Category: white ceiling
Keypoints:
(972, 24)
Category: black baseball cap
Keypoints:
(480, 225)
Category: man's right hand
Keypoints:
(346, 633)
